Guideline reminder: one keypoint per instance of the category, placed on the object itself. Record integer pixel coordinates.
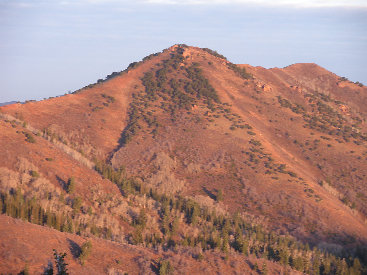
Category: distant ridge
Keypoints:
(7, 103)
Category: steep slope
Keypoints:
(90, 120)
(22, 246)
(215, 155)
(211, 149)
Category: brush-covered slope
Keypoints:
(195, 151)
(21, 241)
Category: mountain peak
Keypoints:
(186, 151)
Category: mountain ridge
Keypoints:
(188, 123)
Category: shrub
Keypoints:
(85, 251)
(71, 185)
(238, 70)
(200, 257)
(343, 78)
(255, 142)
(214, 53)
(292, 174)
(34, 174)
(29, 137)
(219, 196)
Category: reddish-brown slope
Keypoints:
(311, 77)
(23, 243)
(286, 201)
(61, 168)
(298, 204)
(83, 119)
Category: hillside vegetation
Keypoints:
(187, 163)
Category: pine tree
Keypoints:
(357, 267)
(316, 266)
(77, 203)
(142, 218)
(71, 185)
(165, 267)
(60, 263)
(195, 214)
(225, 244)
(245, 248)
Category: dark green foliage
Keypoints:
(255, 142)
(34, 174)
(137, 236)
(214, 53)
(141, 219)
(150, 56)
(359, 84)
(132, 126)
(150, 85)
(29, 137)
(110, 99)
(61, 265)
(49, 270)
(77, 203)
(70, 188)
(284, 102)
(86, 249)
(343, 78)
(16, 205)
(199, 85)
(247, 238)
(112, 75)
(193, 88)
(165, 267)
(238, 70)
(132, 65)
(325, 118)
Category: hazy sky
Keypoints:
(48, 48)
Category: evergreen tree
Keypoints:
(77, 203)
(142, 218)
(356, 268)
(71, 185)
(165, 267)
(316, 265)
(61, 265)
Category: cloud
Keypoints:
(265, 3)
(292, 3)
